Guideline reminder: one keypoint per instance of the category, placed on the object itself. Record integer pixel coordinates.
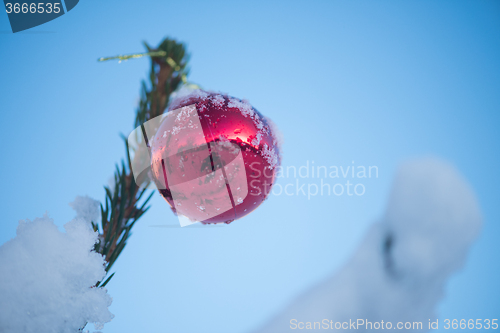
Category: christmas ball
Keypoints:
(214, 158)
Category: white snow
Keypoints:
(273, 156)
(87, 208)
(47, 276)
(399, 272)
(244, 107)
(257, 139)
(270, 155)
(218, 100)
(278, 138)
(186, 90)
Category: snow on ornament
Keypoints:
(213, 157)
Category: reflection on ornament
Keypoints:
(214, 157)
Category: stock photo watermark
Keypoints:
(334, 180)
(365, 324)
(212, 178)
(25, 14)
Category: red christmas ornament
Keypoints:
(214, 157)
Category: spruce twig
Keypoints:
(126, 202)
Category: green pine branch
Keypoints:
(127, 202)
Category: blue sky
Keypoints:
(370, 82)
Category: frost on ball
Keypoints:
(214, 157)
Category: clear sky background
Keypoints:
(374, 82)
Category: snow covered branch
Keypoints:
(399, 271)
(48, 276)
